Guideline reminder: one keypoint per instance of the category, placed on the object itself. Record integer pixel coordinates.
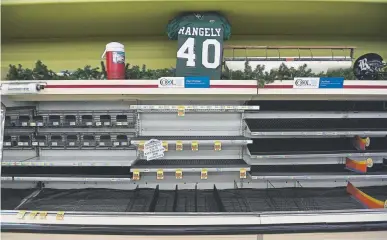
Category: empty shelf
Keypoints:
(212, 165)
(194, 200)
(318, 172)
(313, 147)
(200, 139)
(321, 105)
(71, 161)
(318, 126)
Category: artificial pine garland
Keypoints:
(41, 72)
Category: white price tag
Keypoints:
(98, 123)
(106, 123)
(54, 144)
(71, 143)
(34, 143)
(72, 123)
(55, 123)
(116, 144)
(86, 144)
(153, 149)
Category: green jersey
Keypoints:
(200, 45)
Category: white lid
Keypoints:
(113, 46)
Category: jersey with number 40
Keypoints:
(200, 45)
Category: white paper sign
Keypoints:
(153, 149)
(306, 83)
(171, 82)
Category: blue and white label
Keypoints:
(197, 82)
(331, 82)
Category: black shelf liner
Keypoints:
(191, 162)
(193, 200)
(11, 198)
(323, 169)
(279, 105)
(289, 146)
(317, 124)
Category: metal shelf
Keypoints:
(314, 148)
(211, 165)
(322, 133)
(192, 108)
(316, 176)
(202, 140)
(65, 179)
(315, 172)
(71, 161)
(323, 155)
(317, 126)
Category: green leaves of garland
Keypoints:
(41, 72)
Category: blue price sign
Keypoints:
(331, 82)
(197, 82)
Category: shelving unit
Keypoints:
(219, 156)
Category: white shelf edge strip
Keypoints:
(188, 169)
(320, 177)
(209, 142)
(65, 179)
(191, 107)
(207, 219)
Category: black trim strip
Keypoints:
(194, 230)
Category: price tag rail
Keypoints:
(192, 108)
(211, 140)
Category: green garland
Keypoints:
(41, 72)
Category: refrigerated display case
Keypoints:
(233, 161)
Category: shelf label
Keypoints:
(43, 215)
(33, 215)
(32, 124)
(153, 149)
(141, 146)
(370, 163)
(179, 174)
(218, 146)
(21, 214)
(195, 146)
(204, 174)
(160, 174)
(181, 111)
(136, 175)
(60, 215)
(165, 146)
(242, 173)
(179, 146)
